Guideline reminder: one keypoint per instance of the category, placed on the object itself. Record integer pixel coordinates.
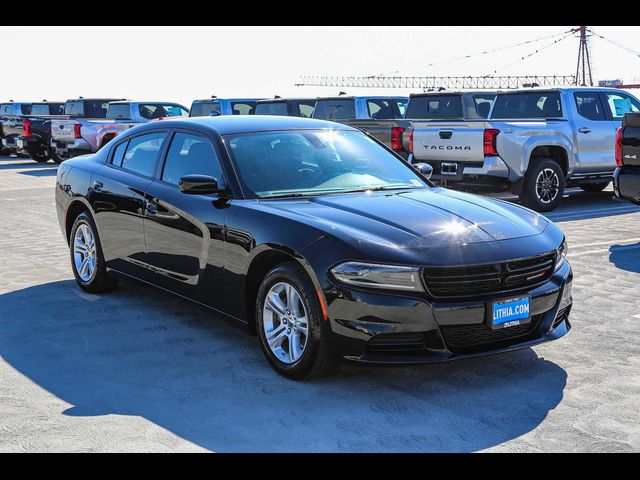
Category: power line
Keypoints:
(569, 34)
(472, 55)
(630, 50)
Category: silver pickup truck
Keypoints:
(95, 122)
(535, 142)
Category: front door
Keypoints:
(594, 134)
(185, 233)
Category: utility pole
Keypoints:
(583, 70)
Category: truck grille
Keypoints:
(454, 282)
(461, 338)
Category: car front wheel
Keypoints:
(293, 332)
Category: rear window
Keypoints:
(527, 105)
(88, 108)
(25, 108)
(305, 108)
(120, 110)
(272, 108)
(47, 109)
(483, 104)
(435, 106)
(153, 111)
(204, 109)
(337, 109)
(6, 109)
(243, 108)
(385, 108)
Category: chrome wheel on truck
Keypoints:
(547, 186)
(543, 185)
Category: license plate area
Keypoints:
(509, 312)
(448, 168)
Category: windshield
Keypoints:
(434, 106)
(335, 109)
(203, 109)
(313, 162)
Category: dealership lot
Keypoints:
(138, 370)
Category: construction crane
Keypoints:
(583, 75)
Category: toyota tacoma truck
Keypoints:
(215, 106)
(535, 142)
(289, 107)
(79, 136)
(83, 129)
(379, 116)
(626, 178)
(11, 125)
(35, 134)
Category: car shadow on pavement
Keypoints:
(626, 257)
(42, 172)
(138, 351)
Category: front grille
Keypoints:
(461, 338)
(454, 282)
(396, 343)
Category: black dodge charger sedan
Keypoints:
(323, 241)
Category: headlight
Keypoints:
(390, 277)
(561, 254)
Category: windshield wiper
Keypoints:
(381, 188)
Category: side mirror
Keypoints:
(199, 185)
(424, 168)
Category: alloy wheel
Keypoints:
(84, 252)
(547, 185)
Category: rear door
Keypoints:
(594, 133)
(184, 232)
(117, 199)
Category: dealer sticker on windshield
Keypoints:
(510, 312)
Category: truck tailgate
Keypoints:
(458, 141)
(62, 130)
(631, 140)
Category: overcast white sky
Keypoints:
(183, 63)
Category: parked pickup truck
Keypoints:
(11, 125)
(215, 106)
(379, 116)
(77, 136)
(535, 142)
(289, 107)
(626, 178)
(34, 137)
(82, 129)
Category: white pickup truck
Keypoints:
(535, 142)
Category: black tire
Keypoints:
(531, 196)
(54, 156)
(100, 281)
(593, 187)
(316, 358)
(22, 155)
(40, 156)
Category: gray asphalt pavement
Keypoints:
(138, 370)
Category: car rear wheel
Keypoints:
(40, 156)
(543, 185)
(87, 260)
(293, 332)
(593, 187)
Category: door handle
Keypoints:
(445, 134)
(151, 208)
(584, 130)
(97, 186)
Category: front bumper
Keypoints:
(380, 328)
(626, 183)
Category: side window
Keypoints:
(141, 153)
(118, 155)
(588, 105)
(619, 104)
(306, 109)
(190, 154)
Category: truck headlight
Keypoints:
(372, 275)
(561, 254)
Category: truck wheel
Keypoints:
(593, 187)
(39, 156)
(54, 156)
(543, 185)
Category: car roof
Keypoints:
(342, 97)
(288, 99)
(94, 98)
(560, 89)
(226, 124)
(142, 101)
(457, 91)
(227, 99)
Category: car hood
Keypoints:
(414, 218)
